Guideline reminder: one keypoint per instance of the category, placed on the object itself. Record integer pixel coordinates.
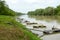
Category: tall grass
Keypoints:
(10, 29)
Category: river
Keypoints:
(48, 21)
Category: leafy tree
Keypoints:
(58, 10)
(49, 11)
(39, 11)
(4, 9)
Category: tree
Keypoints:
(49, 11)
(58, 10)
(39, 11)
(4, 9)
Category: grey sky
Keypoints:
(29, 5)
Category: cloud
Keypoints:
(28, 5)
(12, 1)
(30, 1)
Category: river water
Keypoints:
(48, 21)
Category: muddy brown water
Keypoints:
(47, 21)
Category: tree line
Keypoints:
(5, 10)
(47, 11)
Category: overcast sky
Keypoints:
(29, 5)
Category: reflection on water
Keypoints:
(51, 37)
(46, 18)
(48, 21)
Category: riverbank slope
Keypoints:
(10, 29)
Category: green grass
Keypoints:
(10, 29)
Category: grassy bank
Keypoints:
(10, 29)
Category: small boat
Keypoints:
(35, 26)
(54, 30)
(28, 23)
(48, 32)
(39, 26)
